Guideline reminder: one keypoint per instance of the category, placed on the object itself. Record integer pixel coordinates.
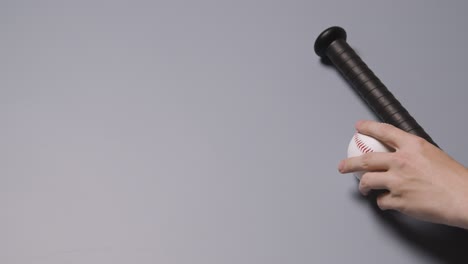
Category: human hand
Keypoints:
(421, 180)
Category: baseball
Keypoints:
(361, 144)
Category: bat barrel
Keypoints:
(332, 44)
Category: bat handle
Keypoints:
(332, 44)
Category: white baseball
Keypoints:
(361, 144)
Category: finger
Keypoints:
(373, 161)
(386, 201)
(374, 181)
(386, 133)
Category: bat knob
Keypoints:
(326, 38)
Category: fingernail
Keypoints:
(341, 166)
(358, 123)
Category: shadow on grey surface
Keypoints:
(444, 243)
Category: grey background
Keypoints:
(209, 131)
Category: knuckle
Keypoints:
(397, 203)
(419, 143)
(381, 128)
(382, 203)
(385, 128)
(364, 184)
(366, 160)
(394, 184)
(400, 159)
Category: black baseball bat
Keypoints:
(332, 44)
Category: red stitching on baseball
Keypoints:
(361, 145)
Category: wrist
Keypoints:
(463, 220)
(462, 209)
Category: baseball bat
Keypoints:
(332, 44)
